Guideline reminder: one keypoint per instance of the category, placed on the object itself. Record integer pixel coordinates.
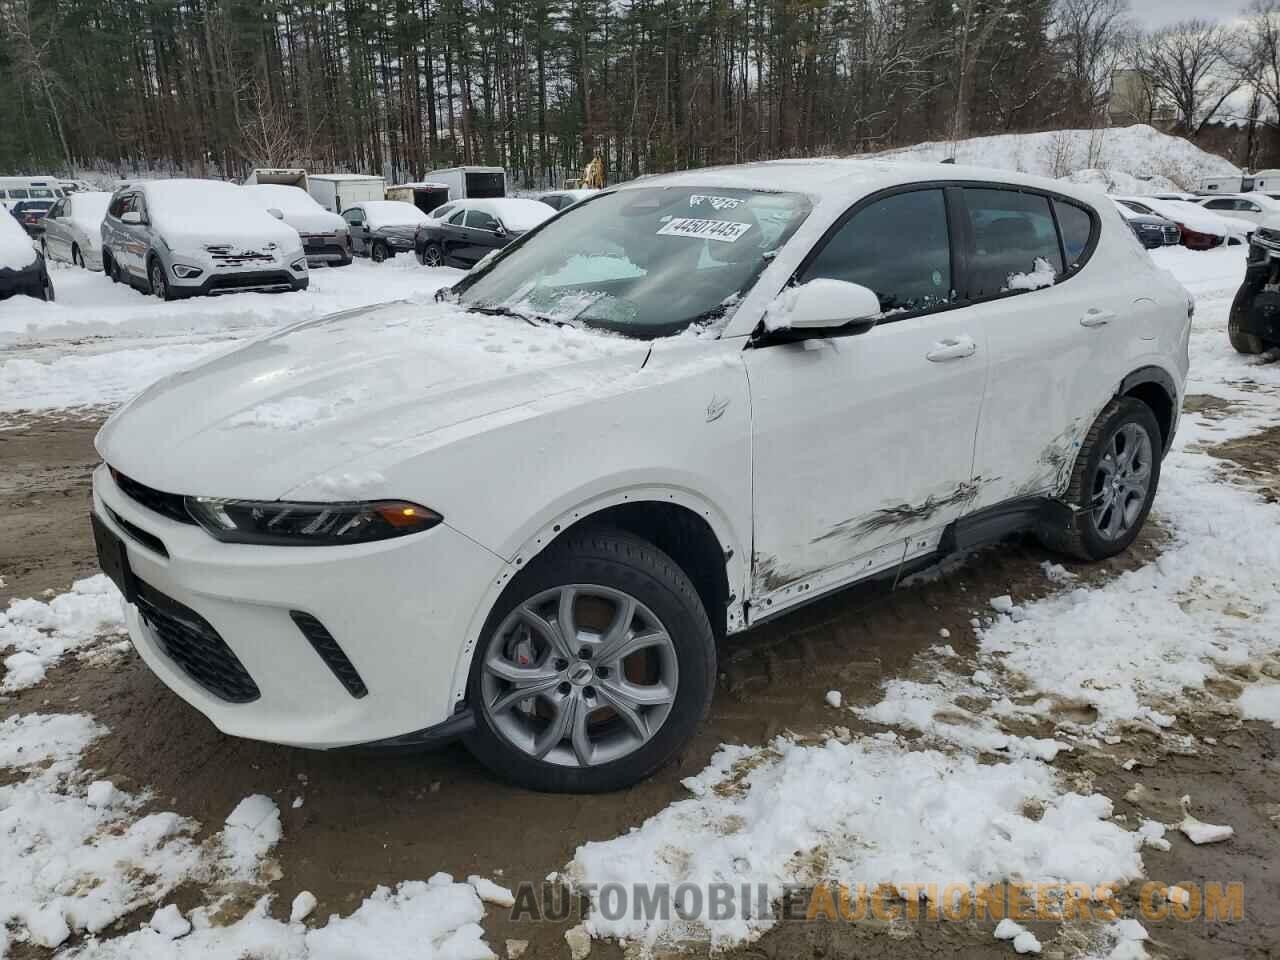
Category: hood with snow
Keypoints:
(264, 418)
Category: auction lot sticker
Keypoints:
(727, 231)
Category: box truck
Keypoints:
(474, 183)
(425, 196)
(339, 191)
(292, 177)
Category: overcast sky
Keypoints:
(1161, 13)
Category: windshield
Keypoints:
(644, 262)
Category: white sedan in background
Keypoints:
(1254, 207)
(325, 237)
(73, 229)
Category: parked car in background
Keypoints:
(31, 213)
(382, 228)
(426, 196)
(325, 236)
(22, 267)
(389, 574)
(559, 199)
(73, 229)
(181, 238)
(1151, 231)
(1201, 229)
(1254, 207)
(475, 228)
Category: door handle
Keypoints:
(1097, 318)
(952, 348)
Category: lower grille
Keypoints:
(329, 651)
(192, 643)
(239, 281)
(1172, 235)
(148, 540)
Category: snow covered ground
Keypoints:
(950, 778)
(100, 343)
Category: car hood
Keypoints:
(237, 236)
(315, 221)
(285, 409)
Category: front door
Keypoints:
(358, 230)
(863, 445)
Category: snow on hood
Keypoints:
(323, 394)
(392, 213)
(88, 209)
(16, 249)
(192, 213)
(300, 209)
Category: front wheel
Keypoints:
(596, 665)
(379, 252)
(159, 283)
(77, 260)
(1113, 484)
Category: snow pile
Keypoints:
(1117, 181)
(437, 918)
(250, 832)
(41, 633)
(873, 811)
(71, 864)
(1139, 151)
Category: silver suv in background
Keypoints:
(181, 238)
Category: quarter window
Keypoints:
(1014, 236)
(899, 247)
(1077, 230)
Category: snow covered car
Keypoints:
(181, 238)
(1254, 323)
(527, 513)
(325, 236)
(1254, 207)
(73, 229)
(22, 266)
(382, 228)
(1201, 229)
(475, 228)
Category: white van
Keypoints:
(339, 191)
(13, 189)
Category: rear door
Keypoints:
(1060, 329)
(863, 445)
(482, 235)
(453, 238)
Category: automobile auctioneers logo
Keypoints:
(697, 905)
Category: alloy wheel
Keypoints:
(1122, 482)
(432, 256)
(159, 288)
(579, 675)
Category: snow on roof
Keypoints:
(16, 249)
(391, 213)
(515, 213)
(343, 176)
(420, 185)
(1194, 217)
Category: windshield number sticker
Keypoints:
(717, 203)
(726, 231)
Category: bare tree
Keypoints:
(1194, 65)
(1260, 52)
(1090, 38)
(32, 56)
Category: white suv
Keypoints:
(528, 513)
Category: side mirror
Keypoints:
(824, 304)
(499, 231)
(132, 217)
(275, 212)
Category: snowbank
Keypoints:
(40, 633)
(1140, 151)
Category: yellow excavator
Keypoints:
(592, 177)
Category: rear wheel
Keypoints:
(1113, 484)
(596, 665)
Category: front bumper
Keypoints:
(399, 610)
(325, 249)
(239, 281)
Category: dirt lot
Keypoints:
(368, 819)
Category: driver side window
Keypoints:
(456, 219)
(354, 216)
(899, 247)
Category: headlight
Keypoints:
(300, 265)
(185, 272)
(309, 524)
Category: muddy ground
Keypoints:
(373, 819)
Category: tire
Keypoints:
(76, 259)
(1103, 475)
(47, 289)
(622, 746)
(432, 255)
(111, 268)
(157, 282)
(1247, 343)
(44, 248)
(379, 252)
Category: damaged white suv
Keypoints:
(526, 514)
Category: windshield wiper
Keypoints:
(500, 311)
